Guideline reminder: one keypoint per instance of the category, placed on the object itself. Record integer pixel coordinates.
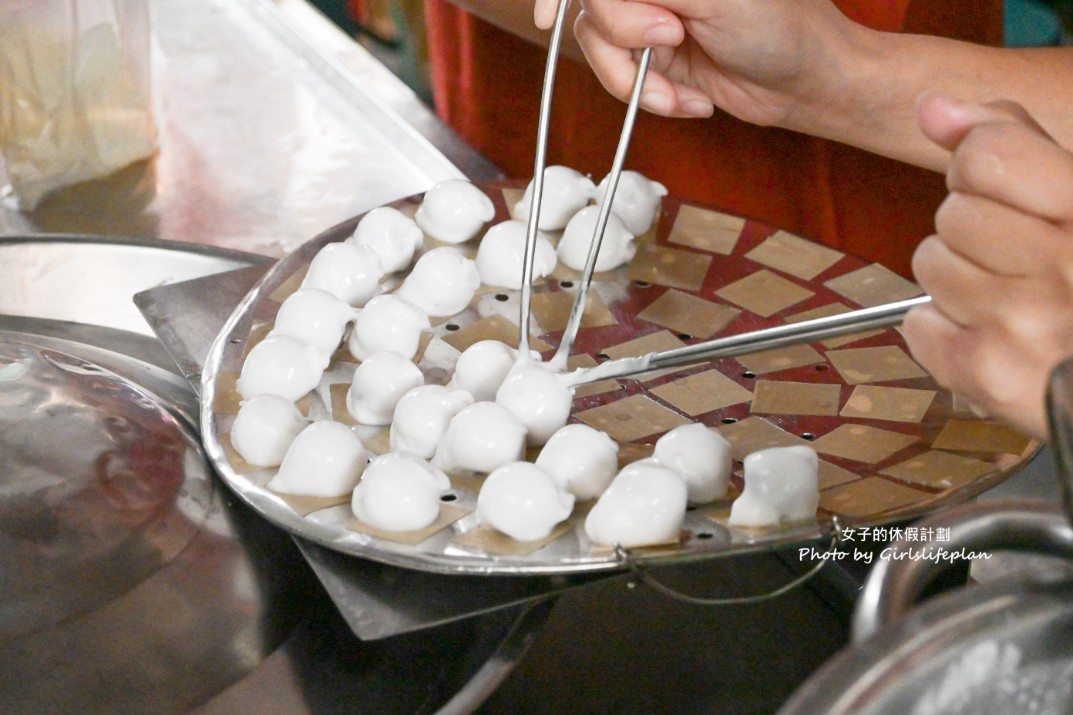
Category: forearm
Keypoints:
(516, 17)
(871, 100)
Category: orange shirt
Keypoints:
(486, 85)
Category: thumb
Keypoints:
(947, 121)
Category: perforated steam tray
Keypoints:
(892, 444)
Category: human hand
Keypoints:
(1000, 266)
(760, 61)
(544, 12)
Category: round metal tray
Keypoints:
(859, 492)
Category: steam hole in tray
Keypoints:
(808, 435)
(448, 497)
(566, 284)
(729, 420)
(705, 535)
(642, 284)
(748, 374)
(451, 327)
(502, 297)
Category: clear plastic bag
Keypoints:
(75, 91)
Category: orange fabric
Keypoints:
(486, 85)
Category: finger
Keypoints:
(1014, 164)
(963, 291)
(947, 121)
(616, 69)
(1001, 152)
(998, 238)
(634, 24)
(932, 339)
(991, 374)
(544, 13)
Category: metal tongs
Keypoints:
(881, 316)
(574, 321)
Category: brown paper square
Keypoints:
(870, 496)
(874, 285)
(831, 475)
(494, 327)
(706, 230)
(896, 404)
(340, 413)
(511, 197)
(790, 254)
(687, 314)
(753, 434)
(258, 332)
(238, 464)
(305, 505)
(826, 311)
(980, 436)
(227, 400)
(862, 443)
(290, 285)
(796, 398)
(633, 452)
(780, 359)
(669, 267)
(632, 418)
(449, 514)
(882, 364)
(552, 311)
(593, 388)
(764, 293)
(651, 343)
(377, 440)
(702, 392)
(940, 469)
(492, 541)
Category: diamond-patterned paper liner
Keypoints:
(892, 443)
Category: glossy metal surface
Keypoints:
(188, 315)
(90, 280)
(118, 596)
(119, 551)
(376, 600)
(272, 126)
(896, 582)
(997, 648)
(1001, 647)
(571, 553)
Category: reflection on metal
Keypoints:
(272, 127)
(125, 587)
(1001, 646)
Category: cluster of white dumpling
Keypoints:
(566, 205)
(343, 289)
(496, 404)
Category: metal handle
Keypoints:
(880, 316)
(907, 567)
(1060, 417)
(641, 575)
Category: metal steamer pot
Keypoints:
(1002, 646)
(131, 580)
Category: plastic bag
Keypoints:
(75, 95)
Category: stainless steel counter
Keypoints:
(273, 126)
